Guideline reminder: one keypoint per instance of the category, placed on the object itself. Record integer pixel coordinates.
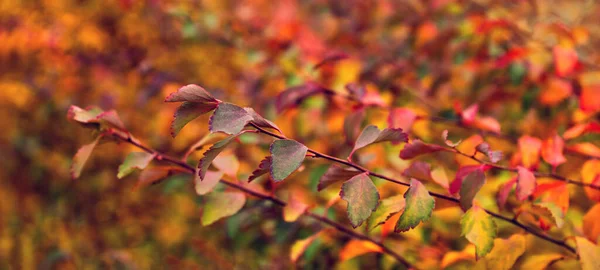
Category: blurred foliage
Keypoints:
(528, 64)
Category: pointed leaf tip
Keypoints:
(135, 160)
(362, 197)
(187, 112)
(418, 207)
(191, 93)
(371, 134)
(287, 156)
(229, 118)
(81, 157)
(480, 229)
(417, 148)
(471, 185)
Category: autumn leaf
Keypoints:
(417, 148)
(95, 116)
(227, 163)
(402, 118)
(419, 170)
(581, 129)
(529, 148)
(81, 157)
(590, 174)
(525, 183)
(150, 176)
(263, 168)
(589, 254)
(294, 95)
(504, 254)
(229, 118)
(485, 148)
(552, 210)
(300, 246)
(135, 160)
(386, 209)
(555, 91)
(479, 228)
(362, 197)
(419, 206)
(260, 121)
(552, 151)
(471, 184)
(352, 125)
(287, 156)
(191, 93)
(371, 134)
(335, 174)
(294, 209)
(187, 112)
(540, 261)
(462, 172)
(449, 142)
(504, 191)
(211, 154)
(221, 204)
(565, 60)
(586, 148)
(591, 223)
(206, 185)
(356, 248)
(556, 193)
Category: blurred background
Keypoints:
(523, 61)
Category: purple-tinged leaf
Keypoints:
(371, 134)
(485, 148)
(206, 185)
(135, 160)
(191, 93)
(260, 121)
(287, 156)
(356, 91)
(152, 175)
(187, 112)
(263, 168)
(471, 184)
(525, 183)
(330, 58)
(229, 118)
(294, 95)
(352, 125)
(81, 157)
(417, 148)
(95, 115)
(419, 170)
(460, 175)
(504, 191)
(402, 118)
(221, 204)
(449, 142)
(418, 207)
(211, 154)
(362, 197)
(335, 174)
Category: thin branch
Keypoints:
(434, 194)
(339, 227)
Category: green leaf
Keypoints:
(191, 93)
(589, 254)
(206, 185)
(371, 134)
(187, 112)
(81, 157)
(419, 206)
(335, 174)
(479, 228)
(471, 184)
(287, 156)
(211, 154)
(229, 118)
(220, 205)
(135, 160)
(362, 197)
(386, 209)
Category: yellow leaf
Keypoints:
(504, 254)
(589, 254)
(591, 223)
(356, 248)
(300, 246)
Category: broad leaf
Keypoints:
(529, 148)
(95, 116)
(287, 156)
(211, 154)
(81, 157)
(417, 148)
(191, 93)
(263, 168)
(335, 174)
(260, 121)
(590, 174)
(479, 228)
(402, 118)
(187, 112)
(525, 183)
(150, 176)
(206, 185)
(471, 184)
(589, 254)
(504, 254)
(352, 125)
(356, 248)
(227, 163)
(371, 134)
(460, 175)
(419, 170)
(229, 118)
(552, 151)
(294, 95)
(552, 210)
(494, 156)
(362, 197)
(300, 246)
(386, 209)
(504, 191)
(591, 223)
(135, 160)
(419, 206)
(220, 205)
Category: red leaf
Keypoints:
(525, 183)
(504, 191)
(417, 148)
(401, 118)
(565, 60)
(461, 174)
(419, 170)
(552, 151)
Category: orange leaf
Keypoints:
(529, 148)
(565, 60)
(590, 173)
(552, 150)
(586, 148)
(356, 248)
(555, 192)
(401, 118)
(590, 98)
(555, 91)
(591, 223)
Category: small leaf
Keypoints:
(586, 148)
(449, 142)
(150, 176)
(135, 160)
(81, 157)
(479, 228)
(294, 95)
(371, 134)
(419, 206)
(220, 205)
(386, 209)
(293, 210)
(590, 174)
(211, 154)
(471, 184)
(589, 254)
(287, 156)
(462, 172)
(362, 197)
(419, 170)
(554, 211)
(187, 112)
(356, 248)
(228, 164)
(402, 118)
(191, 93)
(565, 60)
(525, 183)
(417, 148)
(591, 223)
(260, 121)
(229, 118)
(95, 115)
(529, 148)
(552, 151)
(484, 148)
(352, 125)
(330, 58)
(300, 246)
(504, 191)
(206, 185)
(263, 168)
(504, 254)
(469, 114)
(335, 174)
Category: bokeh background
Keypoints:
(128, 55)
